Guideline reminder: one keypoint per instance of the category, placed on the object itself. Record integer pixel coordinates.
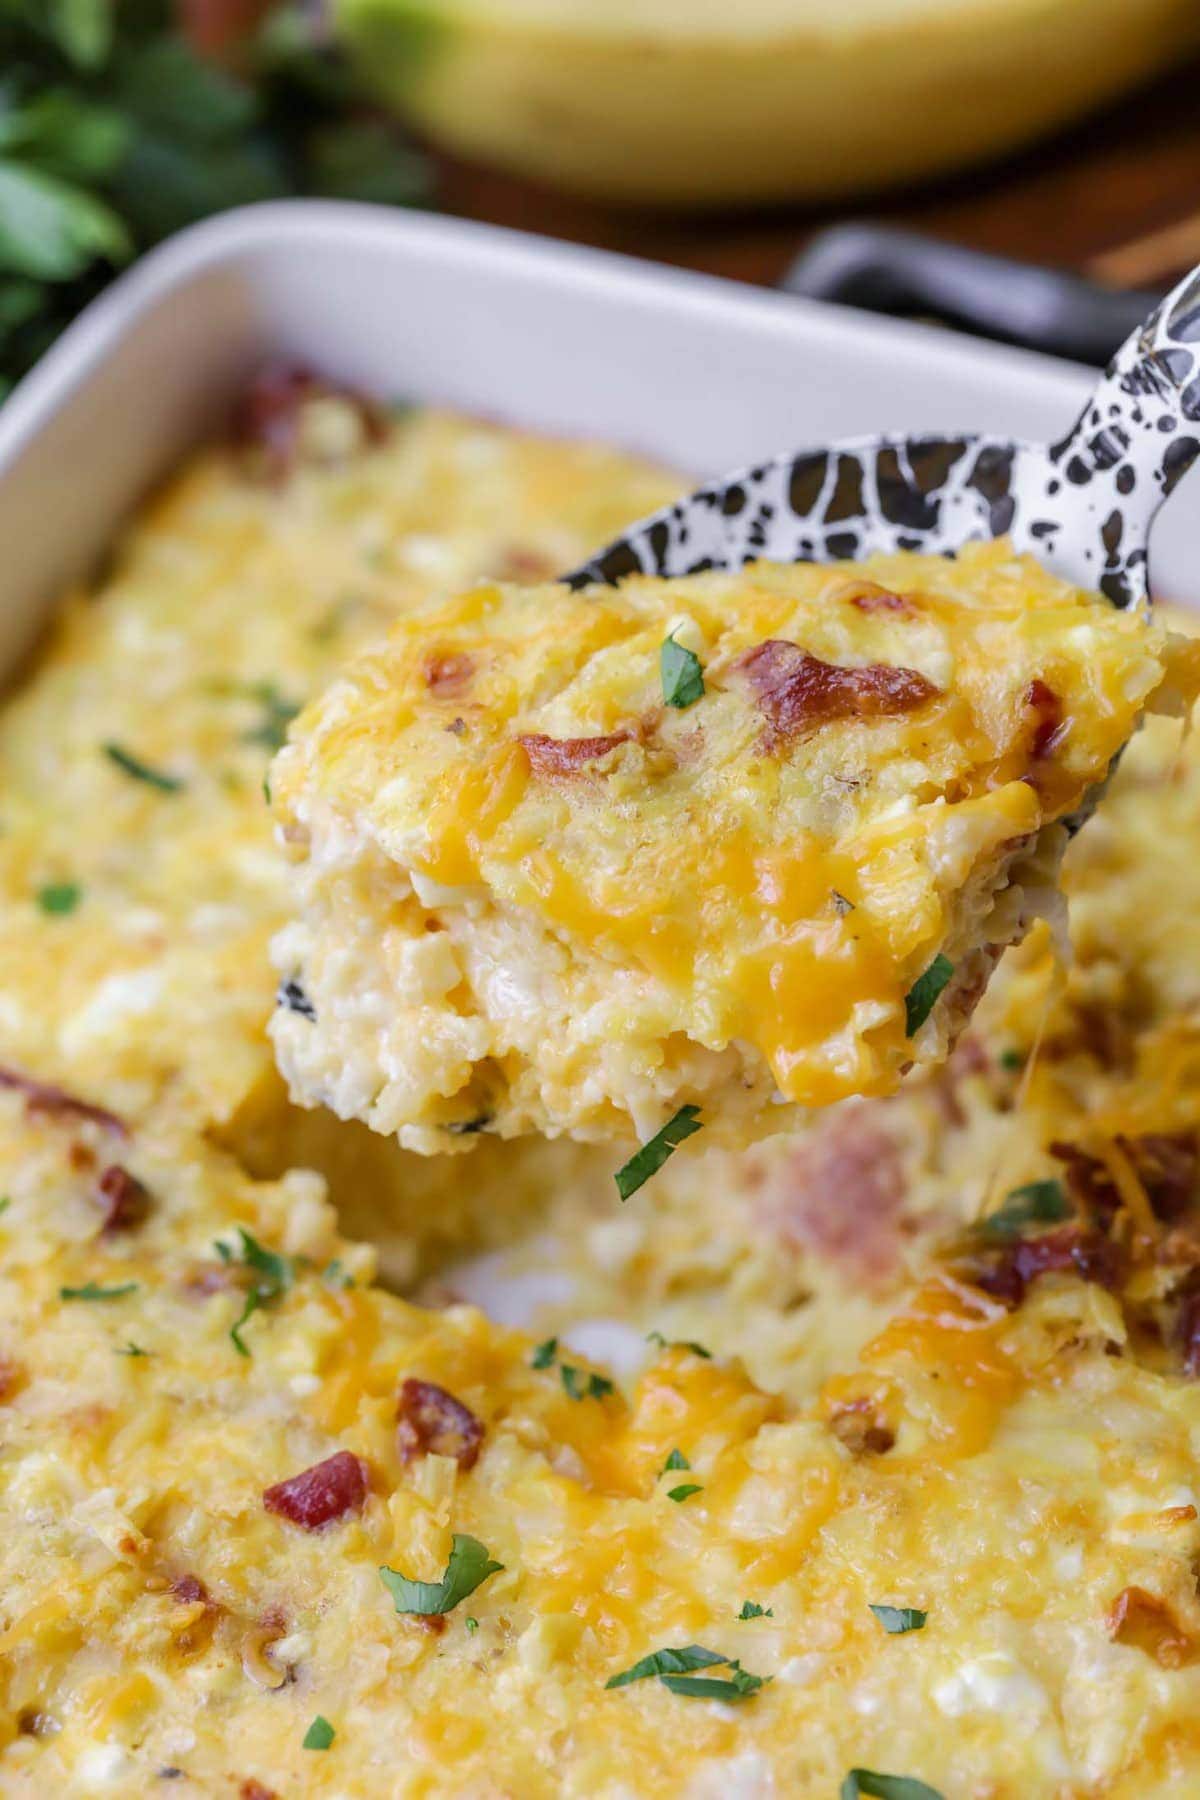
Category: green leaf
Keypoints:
(365, 162)
(650, 1158)
(319, 1735)
(20, 301)
(92, 1290)
(83, 29)
(922, 996)
(595, 1387)
(1037, 1203)
(274, 1275)
(66, 136)
(468, 1567)
(684, 1491)
(169, 89)
(861, 1783)
(668, 1662)
(59, 897)
(676, 1460)
(752, 1610)
(681, 673)
(544, 1354)
(899, 1619)
(656, 1337)
(738, 1685)
(163, 185)
(141, 771)
(52, 231)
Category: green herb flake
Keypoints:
(334, 1275)
(922, 996)
(898, 1619)
(684, 1491)
(867, 1784)
(469, 1566)
(544, 1354)
(752, 1610)
(59, 897)
(277, 714)
(738, 1685)
(594, 1388)
(1037, 1203)
(676, 1460)
(472, 1625)
(668, 1662)
(131, 1349)
(319, 1735)
(650, 1158)
(141, 771)
(1012, 1060)
(656, 1337)
(5, 1203)
(682, 675)
(91, 1290)
(274, 1275)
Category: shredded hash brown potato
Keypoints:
(937, 1353)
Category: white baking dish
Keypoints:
(704, 373)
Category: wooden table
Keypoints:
(1131, 171)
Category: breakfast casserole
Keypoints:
(856, 1462)
(570, 861)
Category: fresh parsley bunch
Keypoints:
(115, 133)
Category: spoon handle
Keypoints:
(1138, 435)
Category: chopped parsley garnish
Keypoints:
(656, 1337)
(668, 1662)
(684, 1491)
(545, 1354)
(922, 996)
(141, 771)
(676, 1460)
(277, 714)
(5, 1203)
(863, 1783)
(319, 1735)
(469, 1566)
(59, 897)
(1012, 1060)
(673, 1668)
(650, 1158)
(1037, 1203)
(334, 1275)
(91, 1290)
(682, 675)
(752, 1610)
(594, 1388)
(131, 1349)
(899, 1619)
(273, 1273)
(472, 1625)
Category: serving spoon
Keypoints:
(1084, 505)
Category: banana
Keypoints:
(699, 102)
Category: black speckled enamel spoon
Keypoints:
(1083, 505)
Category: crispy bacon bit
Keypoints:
(862, 1428)
(432, 1422)
(125, 1200)
(1048, 728)
(269, 416)
(877, 600)
(1167, 1165)
(1076, 1249)
(1147, 1623)
(447, 673)
(10, 1378)
(254, 1790)
(44, 1097)
(190, 1590)
(318, 1496)
(567, 756)
(797, 692)
(841, 1193)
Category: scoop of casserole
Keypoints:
(566, 861)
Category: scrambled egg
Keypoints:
(903, 1482)
(568, 861)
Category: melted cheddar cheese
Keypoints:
(535, 897)
(900, 1405)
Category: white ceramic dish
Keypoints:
(704, 373)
